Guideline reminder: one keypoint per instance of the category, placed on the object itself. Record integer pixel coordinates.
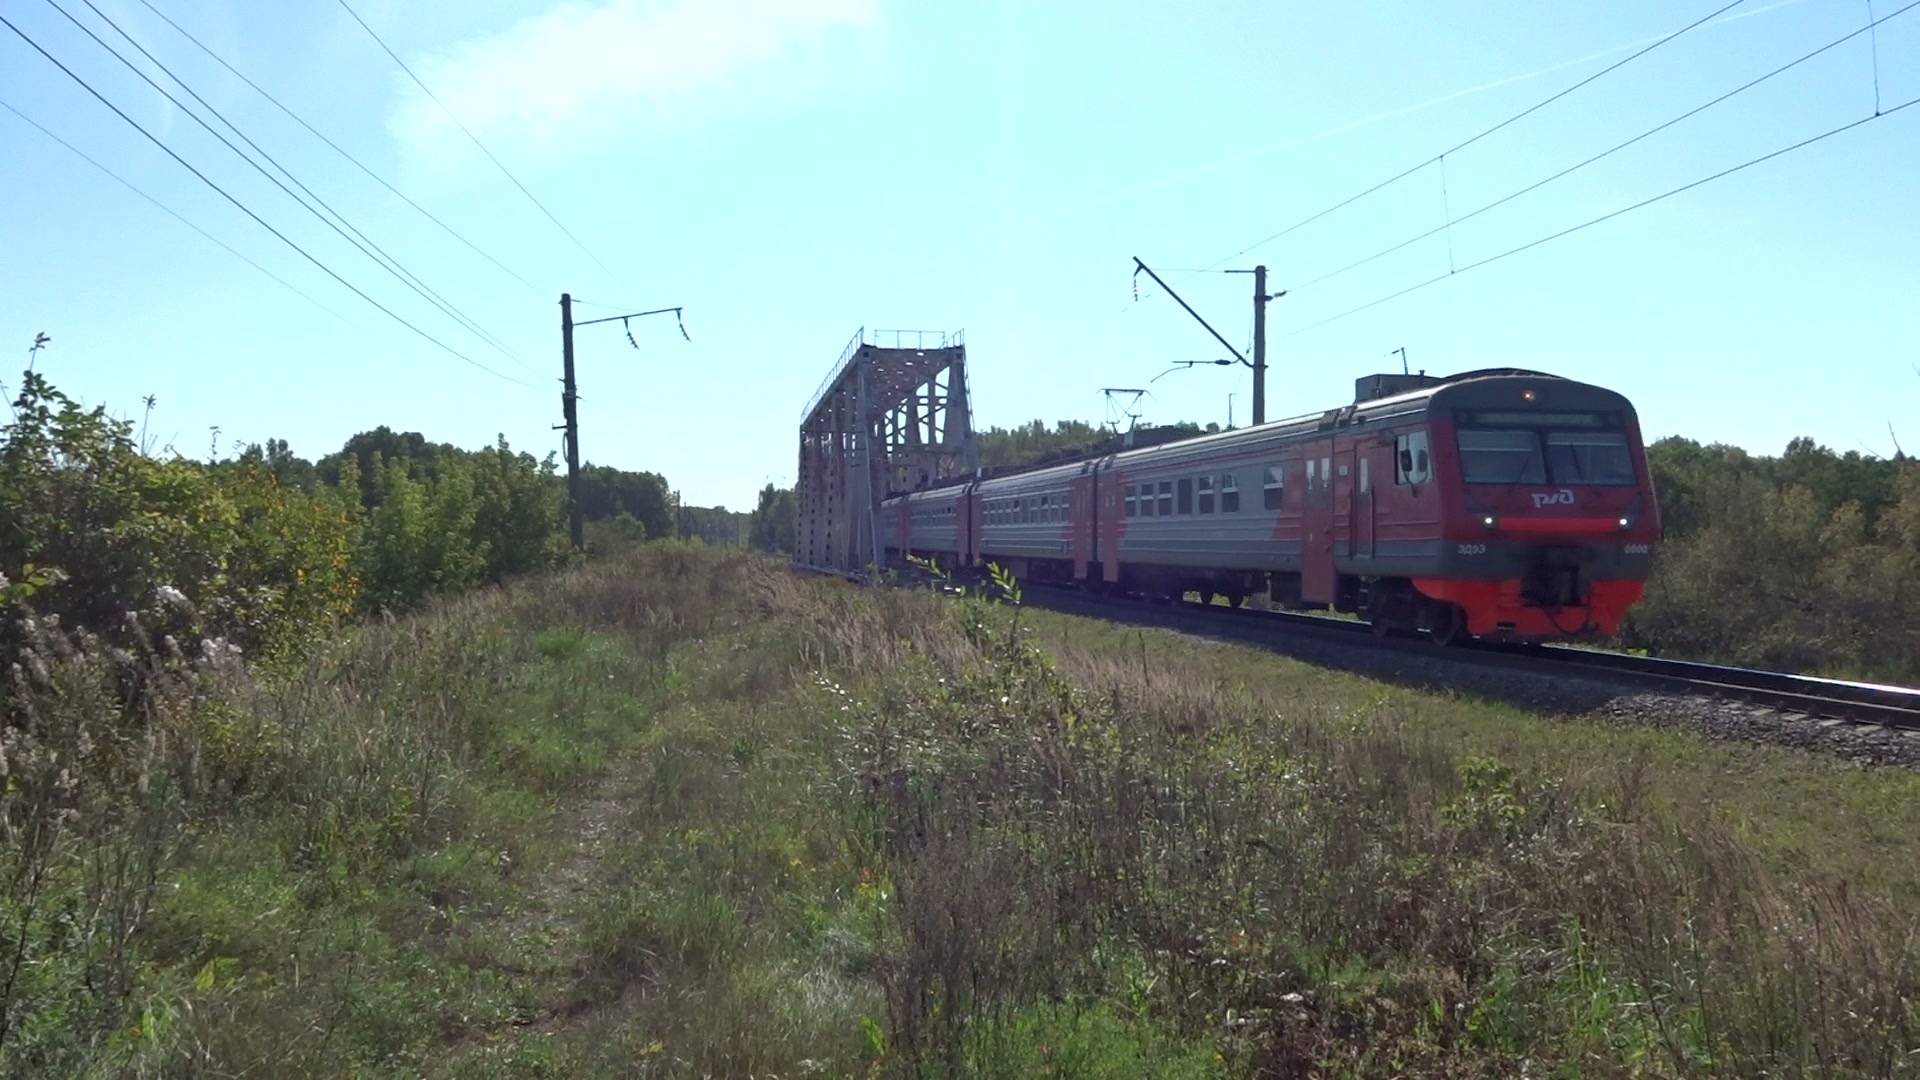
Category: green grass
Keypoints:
(686, 815)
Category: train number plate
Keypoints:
(1472, 549)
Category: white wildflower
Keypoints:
(171, 597)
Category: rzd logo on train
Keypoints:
(1563, 497)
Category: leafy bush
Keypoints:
(1807, 562)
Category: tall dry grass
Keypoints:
(1314, 886)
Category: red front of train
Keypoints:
(1550, 520)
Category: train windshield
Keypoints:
(1544, 447)
(1497, 456)
(1589, 457)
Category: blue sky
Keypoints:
(791, 171)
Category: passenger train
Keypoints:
(1496, 504)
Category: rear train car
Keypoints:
(1505, 504)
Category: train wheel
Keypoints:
(1449, 625)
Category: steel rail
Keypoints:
(1814, 696)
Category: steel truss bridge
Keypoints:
(892, 416)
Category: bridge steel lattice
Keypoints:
(891, 416)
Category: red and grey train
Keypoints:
(1499, 504)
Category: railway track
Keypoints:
(1830, 700)
(1827, 701)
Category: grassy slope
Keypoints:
(687, 815)
(1811, 815)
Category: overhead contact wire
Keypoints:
(1828, 134)
(475, 139)
(169, 211)
(338, 149)
(1521, 115)
(243, 208)
(1610, 151)
(386, 261)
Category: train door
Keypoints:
(1112, 521)
(969, 538)
(1082, 519)
(1360, 533)
(1316, 565)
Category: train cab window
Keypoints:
(1183, 503)
(1501, 456)
(1166, 498)
(1412, 464)
(1205, 494)
(1229, 494)
(1273, 489)
(1589, 457)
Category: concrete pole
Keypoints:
(576, 523)
(1259, 345)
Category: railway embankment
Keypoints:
(686, 813)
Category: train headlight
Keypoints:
(1626, 523)
(1490, 521)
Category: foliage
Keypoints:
(268, 550)
(257, 557)
(775, 523)
(1034, 443)
(643, 496)
(712, 525)
(1809, 561)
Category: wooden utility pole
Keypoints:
(576, 522)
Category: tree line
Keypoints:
(268, 548)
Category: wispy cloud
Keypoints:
(585, 66)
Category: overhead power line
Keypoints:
(363, 242)
(316, 133)
(243, 208)
(1610, 151)
(169, 211)
(1457, 147)
(475, 139)
(1828, 134)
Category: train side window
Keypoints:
(1311, 470)
(1229, 494)
(1366, 476)
(1132, 506)
(1412, 464)
(1184, 502)
(1206, 494)
(1273, 489)
(1166, 498)
(1326, 473)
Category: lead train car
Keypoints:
(1493, 504)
